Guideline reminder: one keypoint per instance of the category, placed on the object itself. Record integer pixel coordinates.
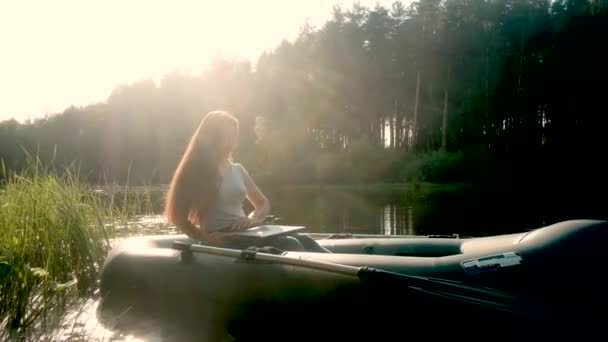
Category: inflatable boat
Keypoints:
(368, 287)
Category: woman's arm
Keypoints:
(256, 197)
(199, 233)
(191, 230)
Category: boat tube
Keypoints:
(367, 288)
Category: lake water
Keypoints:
(427, 210)
(417, 210)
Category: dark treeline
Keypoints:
(456, 90)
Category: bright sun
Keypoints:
(63, 52)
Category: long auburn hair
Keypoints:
(195, 183)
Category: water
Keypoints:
(411, 209)
(426, 210)
(388, 210)
(417, 210)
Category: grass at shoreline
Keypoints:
(54, 236)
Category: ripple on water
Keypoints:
(81, 324)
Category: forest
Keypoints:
(475, 91)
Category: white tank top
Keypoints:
(228, 207)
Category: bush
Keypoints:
(437, 167)
(408, 168)
(443, 167)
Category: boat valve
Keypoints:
(186, 255)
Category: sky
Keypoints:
(58, 53)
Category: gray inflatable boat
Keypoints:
(367, 287)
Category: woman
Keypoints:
(206, 194)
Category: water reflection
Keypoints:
(465, 211)
(397, 220)
(389, 212)
(81, 324)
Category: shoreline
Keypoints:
(375, 186)
(315, 186)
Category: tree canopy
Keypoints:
(507, 88)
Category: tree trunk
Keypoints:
(488, 119)
(402, 133)
(382, 138)
(444, 131)
(521, 60)
(415, 127)
(397, 125)
(391, 123)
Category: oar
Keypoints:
(247, 254)
(447, 289)
(443, 288)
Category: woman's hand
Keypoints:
(192, 231)
(243, 224)
(214, 237)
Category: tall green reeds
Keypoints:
(54, 236)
